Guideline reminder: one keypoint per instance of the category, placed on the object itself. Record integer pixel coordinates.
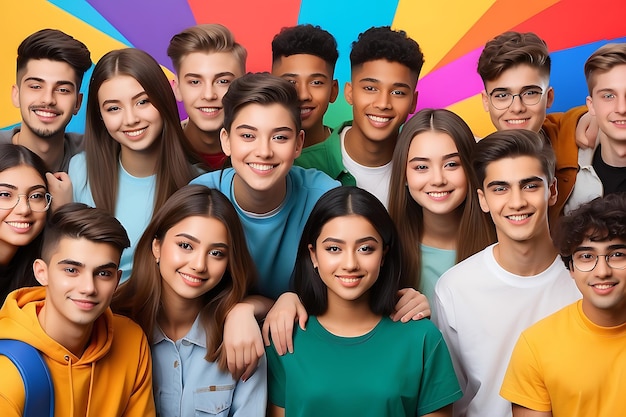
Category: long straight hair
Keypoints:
(173, 168)
(140, 297)
(19, 272)
(476, 230)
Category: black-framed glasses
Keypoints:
(502, 100)
(37, 201)
(587, 261)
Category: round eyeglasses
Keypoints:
(502, 100)
(37, 201)
(587, 261)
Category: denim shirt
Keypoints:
(187, 385)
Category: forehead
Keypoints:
(349, 228)
(512, 170)
(207, 64)
(48, 70)
(119, 87)
(431, 143)
(613, 79)
(301, 64)
(387, 72)
(601, 244)
(85, 251)
(518, 77)
(21, 176)
(264, 116)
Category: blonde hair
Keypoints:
(603, 60)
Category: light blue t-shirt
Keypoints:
(273, 240)
(135, 203)
(434, 262)
(187, 385)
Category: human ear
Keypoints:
(485, 97)
(299, 143)
(312, 255)
(334, 91)
(554, 193)
(40, 269)
(347, 92)
(176, 89)
(79, 102)
(156, 248)
(482, 201)
(589, 101)
(15, 96)
(225, 141)
(550, 97)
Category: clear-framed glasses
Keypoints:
(502, 99)
(37, 200)
(587, 261)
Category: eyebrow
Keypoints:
(521, 182)
(361, 240)
(609, 248)
(136, 96)
(447, 156)
(13, 187)
(314, 75)
(80, 264)
(374, 80)
(276, 129)
(526, 87)
(218, 75)
(41, 80)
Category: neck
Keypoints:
(527, 258)
(440, 230)
(50, 149)
(604, 318)
(348, 318)
(367, 152)
(177, 314)
(139, 164)
(201, 141)
(613, 152)
(316, 134)
(73, 337)
(259, 201)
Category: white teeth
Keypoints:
(19, 225)
(379, 119)
(438, 194)
(306, 111)
(518, 217)
(134, 133)
(190, 278)
(209, 109)
(261, 167)
(45, 113)
(603, 286)
(620, 122)
(517, 121)
(348, 280)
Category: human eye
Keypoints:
(280, 138)
(70, 270)
(247, 136)
(531, 186)
(317, 82)
(499, 189)
(37, 195)
(223, 81)
(366, 248)
(112, 109)
(105, 273)
(332, 249)
(64, 90)
(608, 96)
(532, 93)
(5, 194)
(420, 167)
(501, 95)
(184, 245)
(452, 164)
(584, 257)
(369, 88)
(398, 93)
(618, 255)
(143, 102)
(217, 253)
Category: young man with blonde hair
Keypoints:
(207, 60)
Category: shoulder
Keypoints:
(125, 330)
(460, 271)
(6, 136)
(215, 179)
(312, 178)
(75, 142)
(78, 160)
(320, 153)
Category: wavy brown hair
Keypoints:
(140, 297)
(476, 230)
(173, 169)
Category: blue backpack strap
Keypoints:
(35, 374)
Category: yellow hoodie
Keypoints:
(112, 378)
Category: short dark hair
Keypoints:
(260, 88)
(344, 201)
(598, 220)
(54, 45)
(76, 221)
(511, 49)
(305, 39)
(511, 144)
(384, 43)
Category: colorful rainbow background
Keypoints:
(451, 34)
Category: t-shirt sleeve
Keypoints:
(523, 382)
(276, 383)
(439, 386)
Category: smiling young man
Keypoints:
(385, 67)
(603, 169)
(515, 69)
(483, 303)
(571, 363)
(305, 55)
(50, 69)
(207, 60)
(99, 362)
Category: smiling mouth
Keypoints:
(191, 278)
(604, 286)
(20, 225)
(517, 121)
(379, 119)
(135, 133)
(261, 167)
(438, 194)
(209, 110)
(45, 113)
(518, 217)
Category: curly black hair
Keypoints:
(384, 43)
(305, 39)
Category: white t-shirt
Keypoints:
(481, 309)
(372, 179)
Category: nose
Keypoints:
(304, 94)
(264, 148)
(437, 176)
(383, 101)
(517, 105)
(620, 106)
(87, 285)
(199, 263)
(130, 117)
(209, 92)
(602, 268)
(47, 96)
(22, 206)
(517, 200)
(350, 261)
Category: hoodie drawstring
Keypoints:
(93, 373)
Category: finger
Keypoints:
(287, 336)
(276, 338)
(265, 330)
(303, 316)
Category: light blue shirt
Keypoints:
(435, 262)
(273, 239)
(187, 385)
(133, 209)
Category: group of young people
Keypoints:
(339, 241)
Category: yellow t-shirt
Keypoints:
(570, 366)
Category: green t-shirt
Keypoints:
(397, 369)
